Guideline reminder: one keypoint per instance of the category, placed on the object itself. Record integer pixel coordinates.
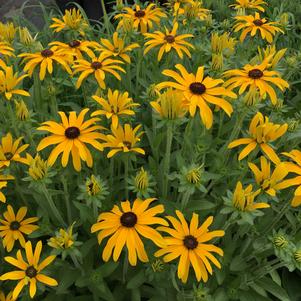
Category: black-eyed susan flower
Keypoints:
(8, 297)
(75, 48)
(117, 47)
(45, 59)
(6, 50)
(170, 105)
(71, 20)
(142, 19)
(193, 10)
(256, 78)
(261, 132)
(7, 32)
(252, 24)
(249, 4)
(64, 239)
(189, 242)
(10, 150)
(71, 136)
(38, 168)
(22, 112)
(123, 139)
(125, 227)
(29, 270)
(3, 184)
(198, 91)
(9, 82)
(98, 66)
(269, 182)
(14, 226)
(243, 199)
(168, 41)
(116, 105)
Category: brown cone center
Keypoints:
(15, 225)
(190, 242)
(72, 132)
(140, 13)
(258, 22)
(31, 272)
(96, 65)
(8, 155)
(74, 43)
(47, 53)
(255, 73)
(169, 39)
(128, 219)
(197, 88)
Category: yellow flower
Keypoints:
(10, 150)
(75, 48)
(25, 36)
(93, 186)
(243, 199)
(257, 78)
(142, 179)
(177, 5)
(142, 18)
(6, 50)
(251, 4)
(7, 32)
(125, 225)
(3, 183)
(252, 24)
(169, 40)
(71, 136)
(22, 112)
(221, 42)
(45, 60)
(270, 183)
(271, 52)
(8, 297)
(198, 91)
(71, 20)
(98, 66)
(117, 47)
(117, 104)
(170, 105)
(123, 139)
(193, 175)
(38, 167)
(189, 243)
(63, 240)
(261, 131)
(294, 167)
(29, 272)
(9, 81)
(14, 226)
(194, 10)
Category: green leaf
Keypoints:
(136, 281)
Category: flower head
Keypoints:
(7, 32)
(249, 4)
(123, 139)
(25, 36)
(14, 226)
(142, 19)
(10, 151)
(261, 131)
(30, 269)
(116, 105)
(198, 91)
(64, 239)
(168, 41)
(38, 168)
(124, 227)
(22, 112)
(72, 135)
(189, 243)
(252, 24)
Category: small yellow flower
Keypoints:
(143, 19)
(38, 167)
(249, 4)
(22, 112)
(71, 20)
(271, 52)
(45, 59)
(117, 47)
(9, 81)
(116, 105)
(93, 187)
(3, 183)
(7, 32)
(261, 132)
(98, 66)
(14, 226)
(29, 271)
(219, 43)
(252, 24)
(193, 175)
(243, 199)
(169, 40)
(189, 242)
(270, 183)
(280, 241)
(123, 139)
(63, 240)
(10, 151)
(25, 36)
(194, 10)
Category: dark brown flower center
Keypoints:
(169, 38)
(74, 43)
(15, 225)
(190, 242)
(258, 22)
(128, 144)
(255, 73)
(128, 219)
(96, 65)
(8, 155)
(47, 53)
(72, 132)
(197, 88)
(140, 13)
(31, 272)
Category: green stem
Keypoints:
(126, 175)
(37, 91)
(278, 217)
(55, 212)
(53, 105)
(125, 266)
(67, 201)
(139, 60)
(169, 137)
(111, 175)
(185, 199)
(105, 15)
